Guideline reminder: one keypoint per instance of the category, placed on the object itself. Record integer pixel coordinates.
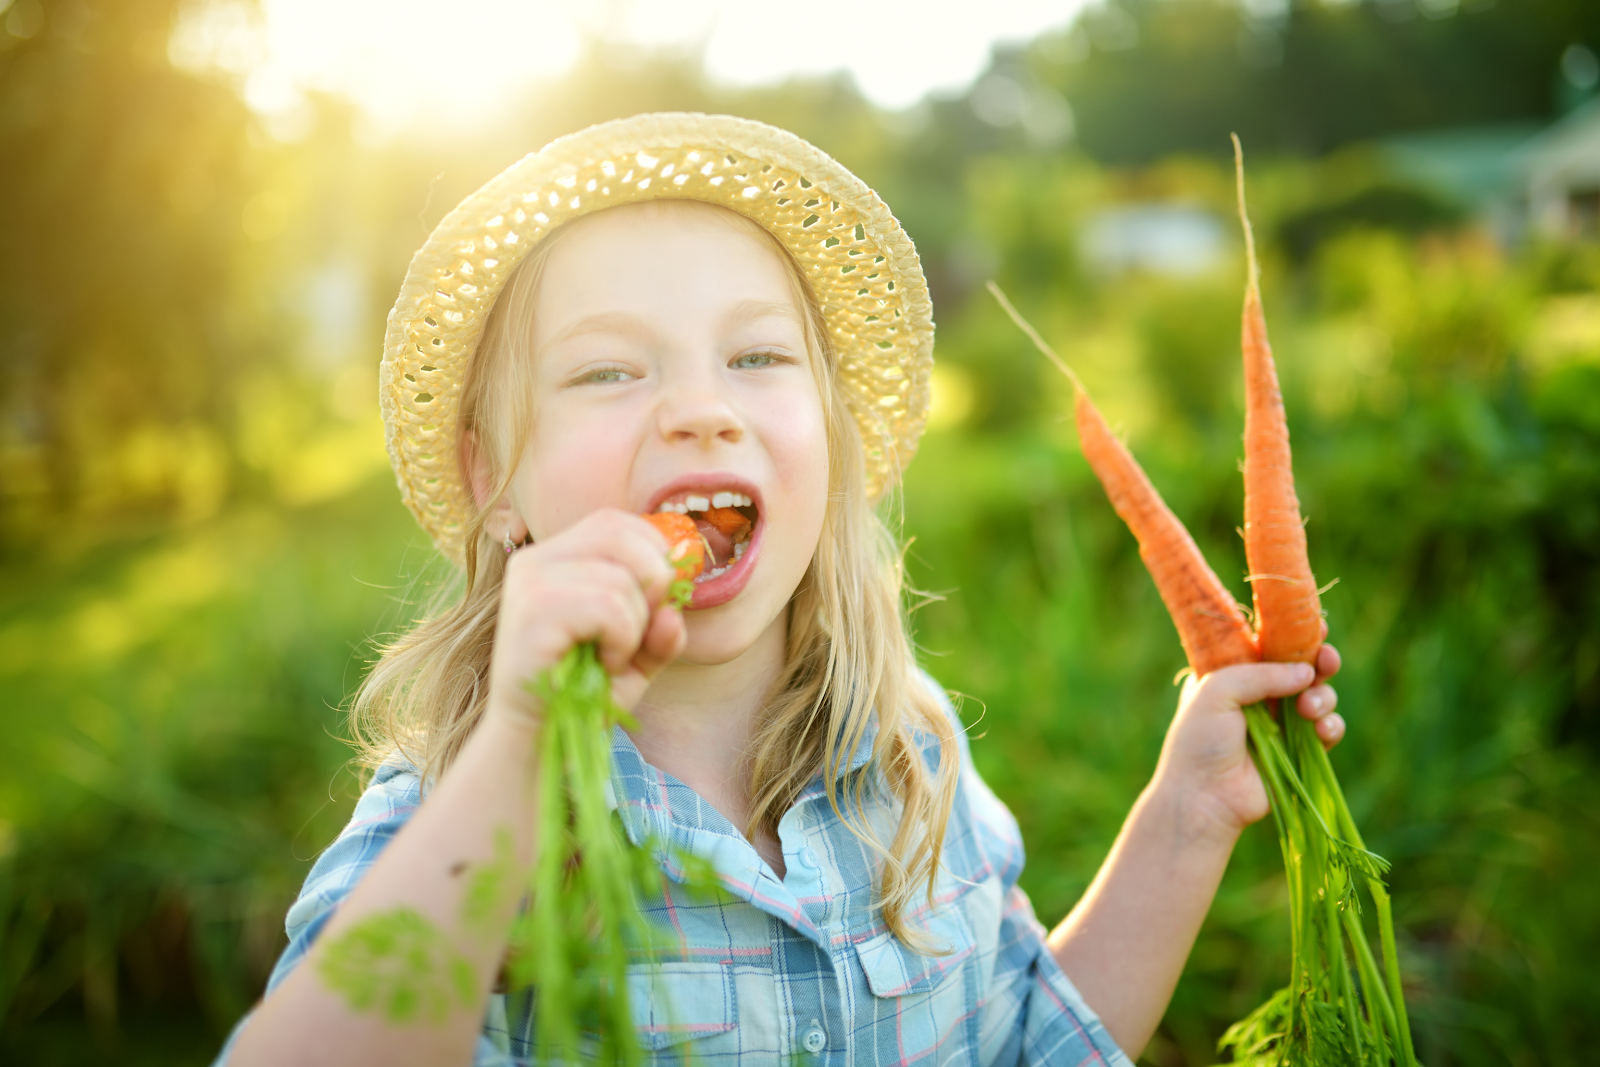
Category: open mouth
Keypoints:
(726, 520)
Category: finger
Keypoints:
(1324, 629)
(1249, 683)
(1330, 730)
(628, 688)
(1328, 662)
(663, 641)
(639, 546)
(1317, 701)
(623, 538)
(608, 608)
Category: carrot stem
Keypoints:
(1380, 897)
(1373, 990)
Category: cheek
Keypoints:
(800, 453)
(571, 467)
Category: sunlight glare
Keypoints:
(404, 62)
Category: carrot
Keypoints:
(1287, 605)
(685, 549)
(730, 522)
(1210, 623)
(1337, 1006)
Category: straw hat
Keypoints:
(861, 264)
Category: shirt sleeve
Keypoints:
(389, 800)
(1052, 1024)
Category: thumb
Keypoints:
(1250, 683)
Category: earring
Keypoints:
(508, 544)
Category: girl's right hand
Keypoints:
(603, 579)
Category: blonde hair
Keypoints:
(849, 656)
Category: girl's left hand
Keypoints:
(1205, 756)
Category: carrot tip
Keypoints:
(1033, 335)
(1252, 268)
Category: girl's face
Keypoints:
(672, 373)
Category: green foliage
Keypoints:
(1151, 77)
(399, 964)
(1442, 403)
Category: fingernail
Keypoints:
(1316, 703)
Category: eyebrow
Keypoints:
(748, 311)
(620, 322)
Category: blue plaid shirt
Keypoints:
(798, 968)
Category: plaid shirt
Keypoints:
(797, 968)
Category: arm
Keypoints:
(603, 579)
(1125, 944)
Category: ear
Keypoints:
(476, 471)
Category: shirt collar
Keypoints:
(658, 809)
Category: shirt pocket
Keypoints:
(894, 970)
(677, 1002)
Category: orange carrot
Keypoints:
(1288, 607)
(730, 522)
(685, 550)
(1210, 622)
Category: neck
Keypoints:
(696, 721)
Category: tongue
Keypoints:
(721, 544)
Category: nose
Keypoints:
(696, 409)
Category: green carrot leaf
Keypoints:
(399, 963)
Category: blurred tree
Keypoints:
(1150, 77)
(121, 202)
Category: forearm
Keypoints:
(1126, 942)
(484, 804)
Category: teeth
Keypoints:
(738, 549)
(723, 499)
(715, 572)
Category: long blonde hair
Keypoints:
(849, 656)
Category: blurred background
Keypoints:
(205, 211)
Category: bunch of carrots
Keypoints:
(573, 943)
(1326, 1015)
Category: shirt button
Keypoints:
(815, 1039)
(808, 857)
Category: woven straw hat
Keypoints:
(861, 264)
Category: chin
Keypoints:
(722, 634)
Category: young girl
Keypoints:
(707, 315)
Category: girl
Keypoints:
(707, 315)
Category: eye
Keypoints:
(603, 376)
(761, 357)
